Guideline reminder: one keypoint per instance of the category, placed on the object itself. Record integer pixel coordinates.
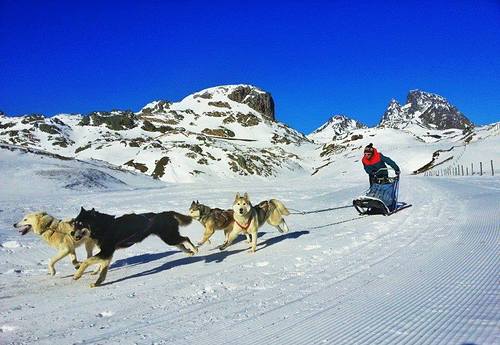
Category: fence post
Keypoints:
(480, 168)
(467, 171)
(492, 170)
(472, 168)
(462, 167)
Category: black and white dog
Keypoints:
(112, 233)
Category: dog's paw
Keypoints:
(77, 276)
(93, 285)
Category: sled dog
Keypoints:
(58, 234)
(212, 219)
(248, 219)
(112, 233)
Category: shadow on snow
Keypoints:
(215, 257)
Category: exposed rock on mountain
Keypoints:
(337, 126)
(426, 110)
(255, 98)
(223, 131)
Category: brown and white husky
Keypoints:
(248, 219)
(212, 219)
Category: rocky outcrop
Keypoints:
(156, 107)
(115, 120)
(337, 126)
(425, 109)
(255, 98)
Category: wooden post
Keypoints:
(467, 171)
(492, 170)
(480, 168)
(462, 167)
(472, 168)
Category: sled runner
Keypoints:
(381, 198)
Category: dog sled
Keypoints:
(381, 197)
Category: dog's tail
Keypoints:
(280, 207)
(182, 218)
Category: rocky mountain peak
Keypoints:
(424, 109)
(393, 115)
(336, 126)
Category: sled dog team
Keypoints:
(110, 233)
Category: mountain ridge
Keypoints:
(225, 131)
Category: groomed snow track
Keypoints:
(426, 275)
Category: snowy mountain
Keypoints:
(425, 275)
(337, 125)
(231, 131)
(426, 110)
(415, 151)
(224, 131)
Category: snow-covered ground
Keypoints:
(426, 275)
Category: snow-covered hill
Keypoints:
(425, 275)
(231, 131)
(34, 172)
(224, 131)
(414, 151)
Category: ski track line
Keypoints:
(429, 321)
(318, 317)
(387, 341)
(351, 339)
(245, 292)
(237, 264)
(189, 309)
(334, 281)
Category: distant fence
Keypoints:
(463, 170)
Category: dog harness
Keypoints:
(247, 225)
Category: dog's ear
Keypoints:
(246, 196)
(237, 196)
(82, 209)
(197, 202)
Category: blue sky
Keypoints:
(317, 58)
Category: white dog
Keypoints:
(58, 234)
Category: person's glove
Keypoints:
(398, 173)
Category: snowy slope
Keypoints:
(35, 172)
(426, 275)
(412, 149)
(225, 131)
